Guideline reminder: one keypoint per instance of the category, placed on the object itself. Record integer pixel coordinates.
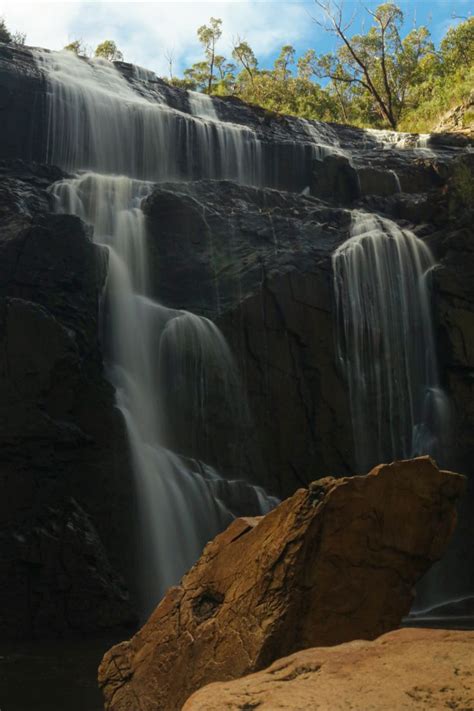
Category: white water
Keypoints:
(98, 123)
(386, 344)
(201, 105)
(322, 138)
(149, 344)
(397, 181)
(402, 141)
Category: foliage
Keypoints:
(5, 35)
(78, 47)
(213, 70)
(379, 78)
(19, 38)
(445, 81)
(108, 50)
(10, 38)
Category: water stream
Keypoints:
(118, 140)
(385, 343)
(159, 360)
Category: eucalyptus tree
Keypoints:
(108, 50)
(378, 65)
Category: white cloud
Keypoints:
(144, 31)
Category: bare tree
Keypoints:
(169, 56)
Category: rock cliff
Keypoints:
(257, 261)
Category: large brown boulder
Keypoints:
(333, 563)
(405, 669)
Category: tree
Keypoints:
(283, 62)
(208, 36)
(169, 56)
(5, 35)
(77, 47)
(109, 50)
(197, 76)
(11, 38)
(377, 63)
(225, 83)
(19, 38)
(243, 53)
(310, 65)
(457, 47)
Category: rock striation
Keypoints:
(333, 563)
(405, 669)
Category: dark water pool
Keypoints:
(51, 676)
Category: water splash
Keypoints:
(385, 343)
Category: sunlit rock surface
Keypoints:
(333, 563)
(405, 669)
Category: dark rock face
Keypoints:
(59, 577)
(21, 105)
(60, 434)
(257, 261)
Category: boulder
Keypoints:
(333, 563)
(405, 669)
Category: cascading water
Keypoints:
(385, 343)
(97, 121)
(201, 105)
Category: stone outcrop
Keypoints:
(333, 563)
(405, 669)
(459, 119)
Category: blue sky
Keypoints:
(147, 31)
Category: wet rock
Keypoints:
(335, 179)
(60, 434)
(59, 577)
(302, 576)
(406, 669)
(374, 181)
(258, 262)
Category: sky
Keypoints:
(148, 32)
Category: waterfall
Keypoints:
(160, 360)
(201, 105)
(385, 343)
(151, 350)
(389, 140)
(98, 121)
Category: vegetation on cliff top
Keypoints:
(382, 78)
(379, 79)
